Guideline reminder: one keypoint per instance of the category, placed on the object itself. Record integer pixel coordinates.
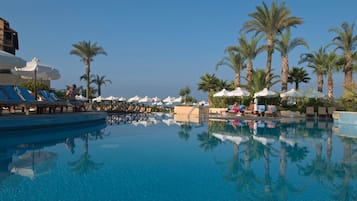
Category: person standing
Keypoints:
(71, 93)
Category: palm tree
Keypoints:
(331, 64)
(347, 42)
(99, 81)
(86, 51)
(208, 84)
(285, 45)
(235, 61)
(259, 81)
(270, 22)
(297, 75)
(185, 92)
(249, 50)
(316, 61)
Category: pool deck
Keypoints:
(21, 122)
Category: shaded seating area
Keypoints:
(15, 98)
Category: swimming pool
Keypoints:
(155, 158)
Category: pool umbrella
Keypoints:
(265, 93)
(35, 70)
(111, 98)
(222, 93)
(134, 99)
(293, 93)
(81, 98)
(239, 92)
(32, 164)
(146, 100)
(98, 99)
(9, 61)
(312, 93)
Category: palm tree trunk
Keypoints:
(249, 73)
(237, 80)
(88, 78)
(284, 73)
(348, 72)
(330, 88)
(320, 82)
(269, 60)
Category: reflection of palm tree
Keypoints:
(185, 130)
(208, 142)
(84, 165)
(348, 171)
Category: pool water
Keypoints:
(155, 158)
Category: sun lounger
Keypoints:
(310, 112)
(322, 112)
(330, 111)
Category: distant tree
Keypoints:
(185, 92)
(208, 84)
(297, 75)
(99, 81)
(86, 51)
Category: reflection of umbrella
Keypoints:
(292, 93)
(32, 164)
(265, 93)
(239, 92)
(312, 93)
(9, 61)
(222, 93)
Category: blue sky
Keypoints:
(157, 47)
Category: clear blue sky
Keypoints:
(157, 47)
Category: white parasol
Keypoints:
(36, 70)
(9, 61)
(312, 93)
(239, 92)
(292, 93)
(134, 99)
(265, 93)
(222, 93)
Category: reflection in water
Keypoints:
(21, 154)
(291, 144)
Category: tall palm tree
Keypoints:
(249, 50)
(285, 45)
(86, 51)
(315, 60)
(270, 22)
(208, 84)
(99, 81)
(297, 75)
(235, 61)
(331, 64)
(346, 41)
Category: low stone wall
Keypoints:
(217, 110)
(191, 110)
(345, 117)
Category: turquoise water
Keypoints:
(156, 158)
